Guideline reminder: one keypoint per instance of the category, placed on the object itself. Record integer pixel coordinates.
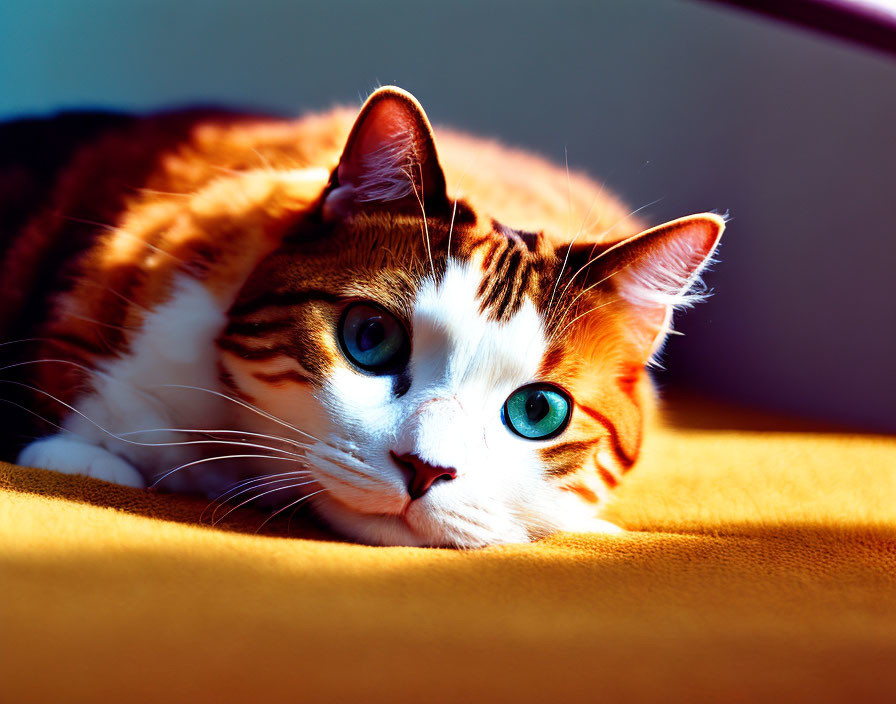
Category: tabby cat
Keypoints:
(425, 349)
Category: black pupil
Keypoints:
(371, 333)
(537, 407)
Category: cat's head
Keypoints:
(466, 383)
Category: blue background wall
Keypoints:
(699, 106)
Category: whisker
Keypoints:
(251, 480)
(263, 159)
(219, 501)
(27, 339)
(35, 414)
(568, 226)
(581, 293)
(460, 183)
(100, 322)
(253, 487)
(249, 406)
(294, 503)
(224, 169)
(606, 251)
(425, 229)
(200, 431)
(568, 191)
(121, 296)
(155, 192)
(145, 444)
(124, 233)
(83, 367)
(602, 305)
(258, 496)
(245, 405)
(568, 250)
(215, 459)
(82, 221)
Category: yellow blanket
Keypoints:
(761, 567)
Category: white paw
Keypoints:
(598, 525)
(71, 456)
(590, 524)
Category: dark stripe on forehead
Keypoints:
(270, 299)
(513, 295)
(501, 279)
(506, 282)
(490, 254)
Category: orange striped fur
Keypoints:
(284, 224)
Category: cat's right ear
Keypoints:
(389, 160)
(651, 274)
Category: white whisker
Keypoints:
(253, 487)
(460, 183)
(294, 503)
(606, 251)
(264, 493)
(425, 229)
(259, 478)
(27, 339)
(220, 499)
(145, 444)
(248, 406)
(602, 305)
(124, 233)
(582, 229)
(581, 293)
(200, 431)
(215, 459)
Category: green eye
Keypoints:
(373, 339)
(537, 411)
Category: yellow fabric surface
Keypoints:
(760, 567)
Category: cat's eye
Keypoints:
(373, 339)
(537, 411)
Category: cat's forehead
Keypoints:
(511, 272)
(512, 264)
(451, 322)
(389, 258)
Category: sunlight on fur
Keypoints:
(309, 316)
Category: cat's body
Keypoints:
(257, 298)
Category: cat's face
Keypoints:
(459, 383)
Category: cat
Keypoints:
(302, 313)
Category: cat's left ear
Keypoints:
(653, 273)
(389, 160)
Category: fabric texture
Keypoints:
(759, 566)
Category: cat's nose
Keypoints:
(420, 474)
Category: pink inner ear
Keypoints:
(666, 261)
(660, 272)
(383, 140)
(390, 158)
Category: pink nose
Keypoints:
(421, 475)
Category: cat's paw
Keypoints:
(70, 456)
(590, 524)
(598, 525)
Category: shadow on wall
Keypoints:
(700, 107)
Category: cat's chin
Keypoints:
(418, 526)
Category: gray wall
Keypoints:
(701, 107)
